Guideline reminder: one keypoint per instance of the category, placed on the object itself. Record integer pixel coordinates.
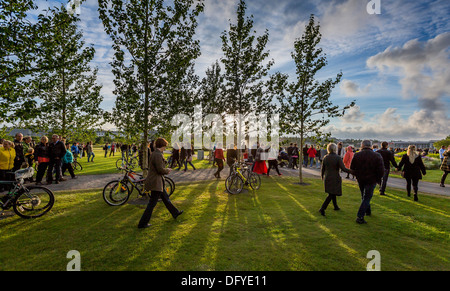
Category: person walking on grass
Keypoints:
(219, 158)
(368, 168)
(154, 182)
(388, 159)
(90, 152)
(348, 160)
(445, 166)
(331, 166)
(413, 169)
(67, 163)
(273, 160)
(42, 159)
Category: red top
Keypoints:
(312, 152)
(219, 154)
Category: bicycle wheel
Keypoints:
(254, 181)
(169, 185)
(34, 202)
(119, 164)
(234, 184)
(116, 193)
(77, 166)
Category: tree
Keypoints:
(445, 142)
(244, 61)
(69, 96)
(154, 44)
(305, 105)
(21, 42)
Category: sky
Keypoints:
(395, 65)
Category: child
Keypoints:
(67, 162)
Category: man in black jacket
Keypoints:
(56, 151)
(388, 158)
(369, 169)
(18, 147)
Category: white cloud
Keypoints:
(351, 89)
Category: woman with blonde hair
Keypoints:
(413, 170)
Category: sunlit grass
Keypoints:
(275, 228)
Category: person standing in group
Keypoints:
(260, 166)
(182, 155)
(7, 159)
(348, 160)
(67, 161)
(113, 149)
(219, 157)
(231, 156)
(56, 151)
(445, 166)
(105, 148)
(295, 155)
(413, 169)
(273, 160)
(154, 182)
(331, 166)
(305, 156)
(90, 152)
(311, 155)
(318, 158)
(388, 159)
(441, 153)
(75, 150)
(340, 150)
(189, 157)
(289, 153)
(175, 155)
(42, 159)
(18, 147)
(368, 168)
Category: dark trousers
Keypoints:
(366, 196)
(154, 197)
(273, 164)
(415, 185)
(68, 167)
(331, 197)
(42, 167)
(219, 166)
(54, 164)
(175, 160)
(5, 176)
(384, 181)
(444, 176)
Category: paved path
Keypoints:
(87, 182)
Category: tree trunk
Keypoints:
(300, 160)
(146, 98)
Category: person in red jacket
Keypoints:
(219, 158)
(311, 155)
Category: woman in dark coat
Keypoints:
(331, 165)
(413, 170)
(41, 156)
(154, 182)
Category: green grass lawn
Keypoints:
(433, 176)
(275, 228)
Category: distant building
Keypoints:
(418, 144)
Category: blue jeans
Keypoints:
(91, 155)
(311, 160)
(366, 196)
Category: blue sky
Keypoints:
(396, 65)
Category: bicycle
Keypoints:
(117, 193)
(27, 202)
(241, 176)
(127, 161)
(76, 166)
